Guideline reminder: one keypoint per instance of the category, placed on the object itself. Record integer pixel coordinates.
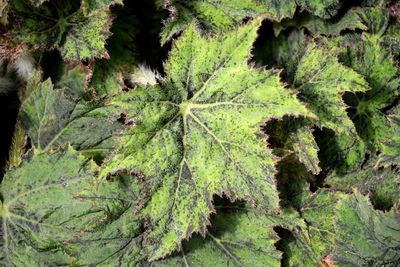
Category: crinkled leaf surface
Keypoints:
(198, 134)
(51, 214)
(63, 26)
(210, 14)
(366, 237)
(316, 25)
(216, 15)
(52, 119)
(311, 243)
(238, 237)
(381, 183)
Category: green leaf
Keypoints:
(305, 147)
(197, 134)
(238, 237)
(64, 27)
(74, 81)
(321, 8)
(279, 9)
(381, 183)
(390, 155)
(321, 81)
(310, 244)
(51, 119)
(91, 6)
(316, 25)
(51, 214)
(365, 237)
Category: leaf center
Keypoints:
(184, 108)
(4, 212)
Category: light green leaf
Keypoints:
(51, 212)
(51, 119)
(211, 15)
(305, 147)
(365, 237)
(62, 26)
(197, 134)
(322, 80)
(238, 237)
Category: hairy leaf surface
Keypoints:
(198, 134)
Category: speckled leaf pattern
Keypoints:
(306, 149)
(316, 240)
(91, 6)
(382, 184)
(365, 237)
(211, 15)
(51, 214)
(390, 155)
(238, 237)
(197, 134)
(52, 119)
(76, 36)
(216, 15)
(321, 8)
(322, 80)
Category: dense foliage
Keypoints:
(246, 133)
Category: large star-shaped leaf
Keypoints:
(51, 214)
(197, 134)
(63, 26)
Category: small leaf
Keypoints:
(197, 134)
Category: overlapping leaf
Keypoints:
(390, 155)
(215, 16)
(366, 237)
(238, 237)
(51, 214)
(52, 119)
(198, 134)
(63, 26)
